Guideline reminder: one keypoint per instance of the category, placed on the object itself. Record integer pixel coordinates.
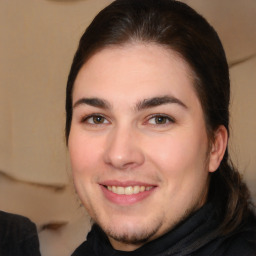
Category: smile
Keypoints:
(130, 190)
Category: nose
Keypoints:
(123, 149)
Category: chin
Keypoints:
(132, 232)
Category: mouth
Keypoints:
(126, 193)
(129, 190)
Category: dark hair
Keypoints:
(176, 26)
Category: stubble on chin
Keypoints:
(141, 236)
(135, 237)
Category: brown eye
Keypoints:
(95, 119)
(160, 120)
(98, 119)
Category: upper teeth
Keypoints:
(128, 190)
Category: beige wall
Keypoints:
(37, 42)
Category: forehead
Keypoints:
(134, 70)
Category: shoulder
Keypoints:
(243, 241)
(241, 244)
(12, 218)
(17, 224)
(17, 233)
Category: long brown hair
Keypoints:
(176, 26)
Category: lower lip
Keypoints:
(126, 199)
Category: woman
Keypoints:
(147, 128)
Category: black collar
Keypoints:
(193, 233)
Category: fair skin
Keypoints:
(138, 144)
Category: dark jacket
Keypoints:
(18, 236)
(195, 236)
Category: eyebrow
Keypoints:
(95, 102)
(144, 104)
(157, 101)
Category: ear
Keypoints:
(218, 148)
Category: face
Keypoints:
(138, 143)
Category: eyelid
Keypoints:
(170, 119)
(87, 117)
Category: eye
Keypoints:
(160, 120)
(95, 120)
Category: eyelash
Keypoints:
(168, 120)
(86, 118)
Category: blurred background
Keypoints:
(38, 39)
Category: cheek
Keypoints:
(181, 164)
(84, 153)
(83, 158)
(179, 154)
